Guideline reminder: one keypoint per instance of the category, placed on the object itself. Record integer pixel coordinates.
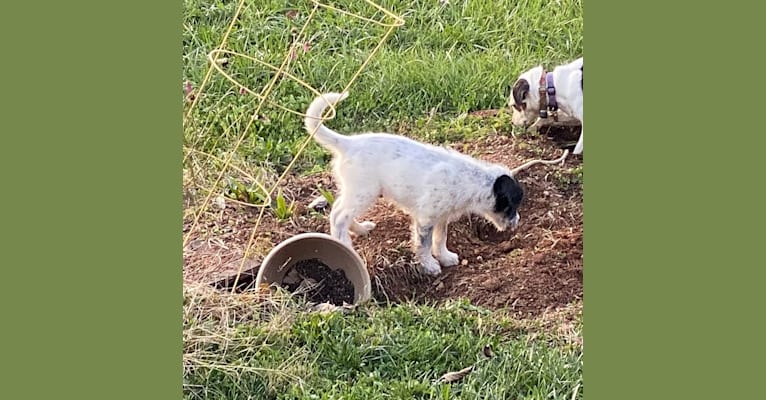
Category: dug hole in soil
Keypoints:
(535, 268)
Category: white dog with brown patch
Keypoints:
(537, 93)
(434, 185)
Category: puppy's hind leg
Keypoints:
(337, 229)
(446, 258)
(362, 228)
(422, 239)
(345, 209)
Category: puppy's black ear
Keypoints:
(508, 193)
(520, 91)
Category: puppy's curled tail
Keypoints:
(324, 135)
(534, 162)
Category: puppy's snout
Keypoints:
(515, 221)
(503, 224)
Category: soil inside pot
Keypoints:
(319, 283)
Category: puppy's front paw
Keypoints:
(448, 259)
(430, 266)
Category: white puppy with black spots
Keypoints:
(434, 185)
(562, 90)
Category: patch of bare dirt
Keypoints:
(533, 270)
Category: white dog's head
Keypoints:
(507, 198)
(525, 98)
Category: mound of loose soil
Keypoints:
(319, 283)
(528, 271)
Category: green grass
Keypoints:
(444, 60)
(237, 348)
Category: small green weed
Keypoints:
(252, 194)
(565, 178)
(327, 196)
(281, 210)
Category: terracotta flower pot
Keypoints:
(320, 246)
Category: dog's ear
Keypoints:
(508, 193)
(520, 91)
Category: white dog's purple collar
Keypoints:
(552, 104)
(547, 92)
